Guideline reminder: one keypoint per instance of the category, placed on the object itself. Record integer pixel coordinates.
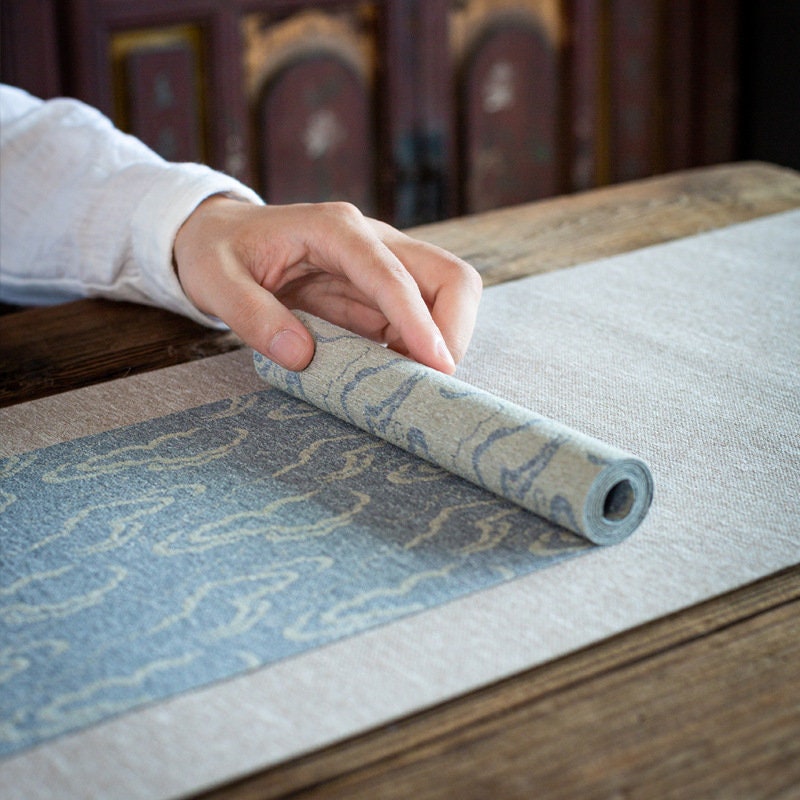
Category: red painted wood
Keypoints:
(314, 134)
(644, 86)
(680, 85)
(717, 43)
(162, 97)
(635, 131)
(30, 50)
(511, 104)
(585, 75)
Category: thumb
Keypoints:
(267, 326)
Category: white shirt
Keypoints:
(88, 211)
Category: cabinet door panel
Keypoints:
(314, 134)
(510, 118)
(635, 129)
(162, 101)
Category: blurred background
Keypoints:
(419, 110)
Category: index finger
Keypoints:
(351, 244)
(450, 287)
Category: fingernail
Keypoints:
(288, 349)
(445, 353)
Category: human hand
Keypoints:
(248, 265)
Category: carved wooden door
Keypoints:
(508, 59)
(310, 78)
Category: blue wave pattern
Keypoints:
(161, 557)
(586, 485)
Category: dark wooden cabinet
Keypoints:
(414, 110)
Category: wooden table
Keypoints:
(703, 703)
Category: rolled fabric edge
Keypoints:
(617, 502)
(615, 488)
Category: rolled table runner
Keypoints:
(585, 485)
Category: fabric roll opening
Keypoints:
(618, 501)
(589, 487)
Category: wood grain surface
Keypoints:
(573, 229)
(704, 703)
(44, 351)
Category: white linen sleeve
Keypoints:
(88, 211)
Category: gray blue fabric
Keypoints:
(160, 557)
(585, 485)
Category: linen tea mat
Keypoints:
(687, 354)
